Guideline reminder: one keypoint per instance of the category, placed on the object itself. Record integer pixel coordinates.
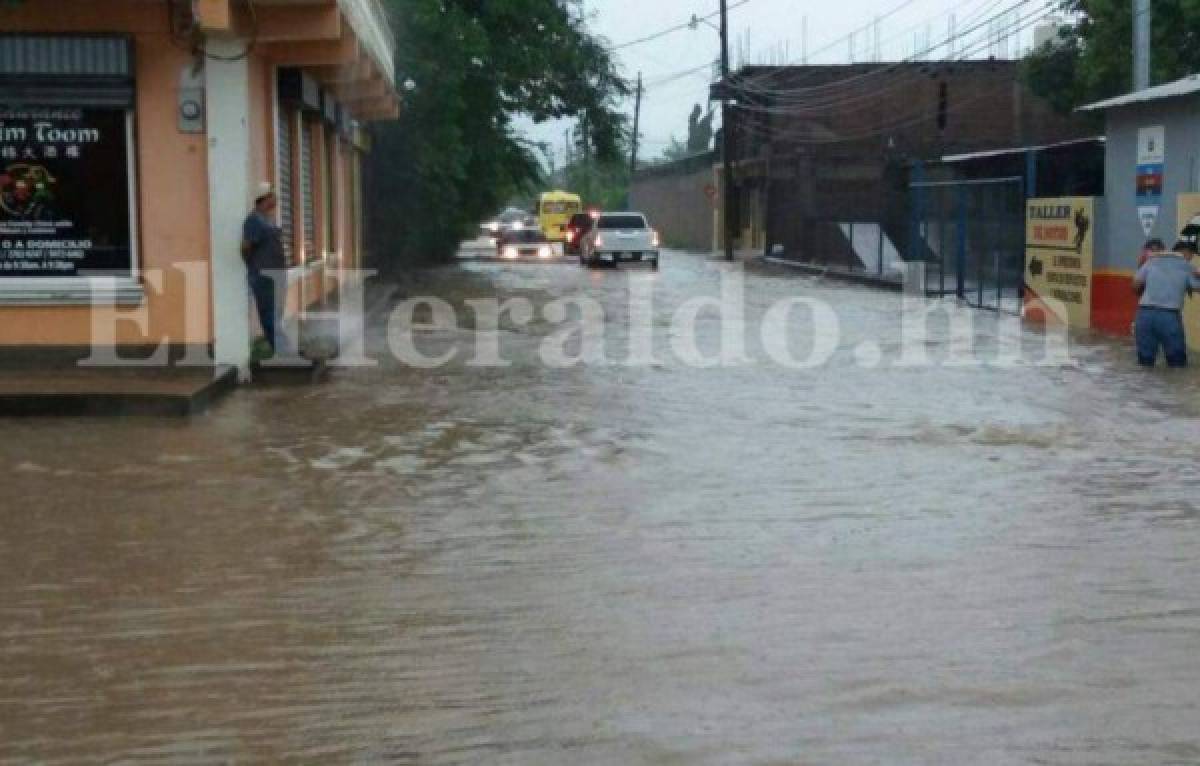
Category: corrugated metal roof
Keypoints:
(1019, 150)
(1185, 87)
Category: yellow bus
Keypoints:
(555, 210)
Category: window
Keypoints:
(68, 205)
(621, 222)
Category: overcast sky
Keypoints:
(768, 31)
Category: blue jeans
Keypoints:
(270, 308)
(1160, 328)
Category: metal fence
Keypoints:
(971, 236)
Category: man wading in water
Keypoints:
(1164, 282)
(262, 250)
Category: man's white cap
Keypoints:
(264, 189)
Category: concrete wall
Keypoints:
(1181, 169)
(1114, 303)
(675, 198)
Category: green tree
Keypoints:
(601, 180)
(676, 150)
(453, 158)
(1093, 58)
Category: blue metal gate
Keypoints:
(971, 236)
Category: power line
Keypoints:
(905, 4)
(750, 85)
(671, 30)
(1046, 11)
(670, 78)
(804, 137)
(988, 5)
(796, 93)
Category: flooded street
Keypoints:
(614, 564)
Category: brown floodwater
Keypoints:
(618, 565)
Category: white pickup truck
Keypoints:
(620, 238)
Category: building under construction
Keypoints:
(825, 157)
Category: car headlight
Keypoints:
(545, 251)
(493, 226)
(517, 226)
(511, 252)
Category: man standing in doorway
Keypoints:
(262, 250)
(1164, 282)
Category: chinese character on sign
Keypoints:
(51, 152)
(29, 154)
(73, 152)
(8, 153)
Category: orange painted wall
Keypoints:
(172, 180)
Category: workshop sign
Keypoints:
(64, 193)
(1059, 258)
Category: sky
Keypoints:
(770, 31)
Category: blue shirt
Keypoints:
(1167, 278)
(266, 244)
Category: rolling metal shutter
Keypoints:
(75, 71)
(307, 172)
(287, 214)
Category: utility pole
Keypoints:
(726, 133)
(637, 118)
(1141, 44)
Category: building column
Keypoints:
(230, 193)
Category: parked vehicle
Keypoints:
(620, 238)
(525, 242)
(577, 228)
(554, 210)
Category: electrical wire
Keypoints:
(818, 105)
(843, 101)
(193, 40)
(846, 37)
(786, 93)
(985, 8)
(670, 78)
(875, 95)
(804, 137)
(677, 28)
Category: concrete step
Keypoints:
(110, 391)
